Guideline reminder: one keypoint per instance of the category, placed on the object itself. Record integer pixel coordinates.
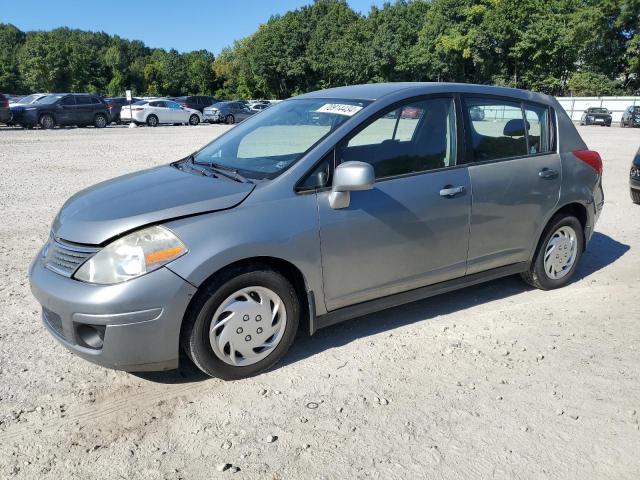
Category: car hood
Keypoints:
(116, 206)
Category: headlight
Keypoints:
(132, 256)
(635, 172)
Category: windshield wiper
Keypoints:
(226, 171)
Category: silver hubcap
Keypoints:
(560, 253)
(194, 120)
(248, 326)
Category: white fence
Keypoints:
(575, 106)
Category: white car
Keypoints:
(155, 112)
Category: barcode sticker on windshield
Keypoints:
(339, 109)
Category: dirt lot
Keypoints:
(495, 381)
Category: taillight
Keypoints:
(591, 158)
(137, 109)
(5, 102)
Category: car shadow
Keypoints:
(601, 252)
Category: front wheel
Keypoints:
(194, 120)
(47, 121)
(558, 254)
(229, 120)
(635, 196)
(241, 323)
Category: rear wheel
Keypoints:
(229, 120)
(100, 121)
(152, 121)
(47, 121)
(635, 196)
(194, 120)
(558, 254)
(241, 323)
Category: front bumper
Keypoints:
(141, 317)
(634, 183)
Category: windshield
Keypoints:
(49, 99)
(267, 144)
(28, 99)
(599, 110)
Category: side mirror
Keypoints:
(350, 177)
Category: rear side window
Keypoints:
(498, 129)
(68, 100)
(538, 126)
(95, 100)
(83, 99)
(412, 138)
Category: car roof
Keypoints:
(375, 91)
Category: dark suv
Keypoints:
(5, 112)
(79, 109)
(115, 104)
(631, 117)
(197, 102)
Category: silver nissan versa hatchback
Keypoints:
(324, 207)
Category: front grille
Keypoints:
(53, 320)
(64, 258)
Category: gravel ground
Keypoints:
(495, 381)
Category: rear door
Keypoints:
(515, 178)
(412, 228)
(84, 110)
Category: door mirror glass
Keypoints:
(350, 177)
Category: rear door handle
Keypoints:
(450, 191)
(548, 173)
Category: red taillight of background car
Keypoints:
(591, 158)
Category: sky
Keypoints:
(183, 25)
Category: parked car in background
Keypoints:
(196, 102)
(596, 116)
(5, 111)
(634, 178)
(81, 109)
(159, 111)
(28, 99)
(114, 104)
(284, 223)
(631, 117)
(227, 112)
(258, 107)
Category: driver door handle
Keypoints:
(450, 191)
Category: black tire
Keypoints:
(152, 121)
(100, 121)
(635, 196)
(536, 276)
(194, 337)
(229, 120)
(46, 121)
(194, 120)
(622, 125)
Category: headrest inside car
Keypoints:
(515, 128)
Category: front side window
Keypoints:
(412, 138)
(265, 145)
(70, 100)
(497, 129)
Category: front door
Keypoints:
(412, 228)
(515, 179)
